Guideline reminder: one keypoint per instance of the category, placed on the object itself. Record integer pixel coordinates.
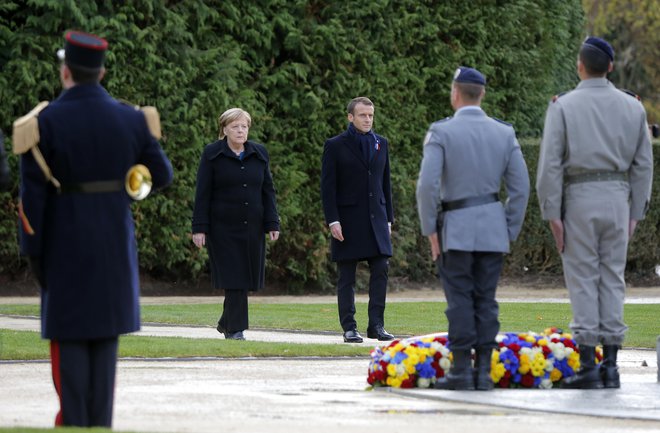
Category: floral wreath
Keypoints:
(521, 360)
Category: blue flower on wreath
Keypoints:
(425, 370)
(399, 357)
(377, 353)
(510, 361)
(565, 369)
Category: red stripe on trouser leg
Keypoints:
(57, 378)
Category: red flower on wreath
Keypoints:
(527, 380)
(410, 382)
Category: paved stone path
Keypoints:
(322, 395)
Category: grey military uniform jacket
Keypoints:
(595, 127)
(465, 156)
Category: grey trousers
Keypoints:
(596, 223)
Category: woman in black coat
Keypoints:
(234, 207)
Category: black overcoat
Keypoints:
(358, 194)
(86, 241)
(235, 206)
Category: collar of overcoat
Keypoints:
(354, 147)
(84, 91)
(221, 148)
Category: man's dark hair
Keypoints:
(359, 100)
(82, 75)
(469, 91)
(596, 62)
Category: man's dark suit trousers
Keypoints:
(378, 267)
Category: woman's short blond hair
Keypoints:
(229, 116)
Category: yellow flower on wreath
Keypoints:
(574, 360)
(497, 371)
(395, 382)
(409, 364)
(525, 364)
(391, 370)
(538, 365)
(555, 375)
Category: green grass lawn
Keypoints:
(403, 318)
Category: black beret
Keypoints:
(600, 44)
(83, 49)
(469, 75)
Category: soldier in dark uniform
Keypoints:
(357, 202)
(77, 226)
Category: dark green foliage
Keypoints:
(294, 65)
(534, 252)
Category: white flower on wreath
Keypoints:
(400, 369)
(423, 382)
(549, 364)
(558, 350)
(545, 384)
(440, 348)
(444, 363)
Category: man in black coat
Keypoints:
(357, 203)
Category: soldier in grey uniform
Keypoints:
(466, 157)
(594, 185)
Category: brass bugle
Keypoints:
(138, 182)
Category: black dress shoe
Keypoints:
(352, 336)
(380, 333)
(234, 335)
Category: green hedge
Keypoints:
(293, 65)
(534, 252)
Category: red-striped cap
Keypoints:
(83, 49)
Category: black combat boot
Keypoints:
(609, 372)
(482, 379)
(588, 376)
(460, 375)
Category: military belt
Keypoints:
(93, 187)
(469, 202)
(595, 176)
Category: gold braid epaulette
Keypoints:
(25, 136)
(151, 116)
